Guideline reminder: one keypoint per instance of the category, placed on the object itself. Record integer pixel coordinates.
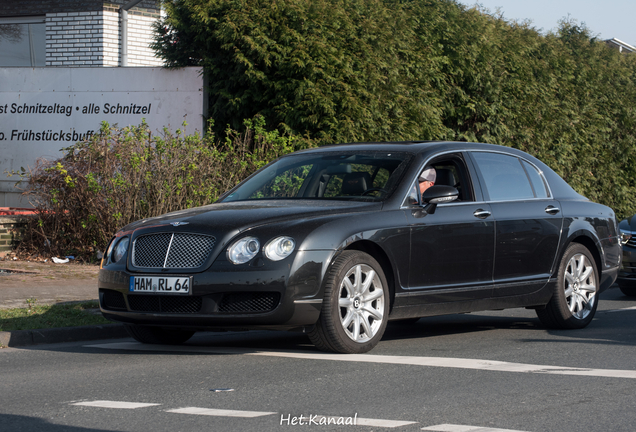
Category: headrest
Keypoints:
(356, 183)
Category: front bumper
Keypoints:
(627, 272)
(257, 295)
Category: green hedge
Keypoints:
(367, 70)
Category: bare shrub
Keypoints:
(122, 175)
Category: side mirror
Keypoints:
(438, 195)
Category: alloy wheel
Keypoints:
(580, 286)
(361, 303)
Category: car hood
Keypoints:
(629, 224)
(241, 215)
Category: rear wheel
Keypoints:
(574, 301)
(157, 335)
(355, 306)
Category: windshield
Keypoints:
(364, 175)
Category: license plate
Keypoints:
(160, 285)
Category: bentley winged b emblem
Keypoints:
(176, 224)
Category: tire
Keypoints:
(355, 307)
(157, 335)
(575, 299)
(629, 290)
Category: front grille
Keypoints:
(164, 304)
(113, 300)
(632, 242)
(172, 250)
(249, 302)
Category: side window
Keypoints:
(450, 170)
(504, 176)
(538, 184)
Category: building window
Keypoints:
(22, 41)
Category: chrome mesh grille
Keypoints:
(150, 250)
(172, 250)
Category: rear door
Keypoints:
(528, 222)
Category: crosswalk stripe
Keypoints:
(219, 412)
(115, 404)
(463, 428)
(445, 362)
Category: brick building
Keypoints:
(77, 33)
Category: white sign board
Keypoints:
(43, 110)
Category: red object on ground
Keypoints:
(14, 211)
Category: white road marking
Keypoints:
(247, 414)
(219, 412)
(382, 423)
(620, 310)
(445, 362)
(357, 421)
(115, 404)
(463, 428)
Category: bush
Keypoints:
(123, 175)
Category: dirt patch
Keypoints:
(37, 271)
(48, 283)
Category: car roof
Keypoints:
(408, 146)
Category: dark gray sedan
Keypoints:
(337, 241)
(627, 274)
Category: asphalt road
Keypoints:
(491, 370)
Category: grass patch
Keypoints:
(50, 316)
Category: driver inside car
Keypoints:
(426, 179)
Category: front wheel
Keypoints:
(575, 299)
(157, 335)
(355, 307)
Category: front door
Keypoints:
(452, 250)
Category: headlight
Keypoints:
(279, 248)
(625, 236)
(109, 251)
(243, 250)
(120, 249)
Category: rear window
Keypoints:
(505, 177)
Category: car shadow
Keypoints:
(12, 422)
(609, 327)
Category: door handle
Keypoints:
(481, 213)
(552, 210)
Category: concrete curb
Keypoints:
(63, 334)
